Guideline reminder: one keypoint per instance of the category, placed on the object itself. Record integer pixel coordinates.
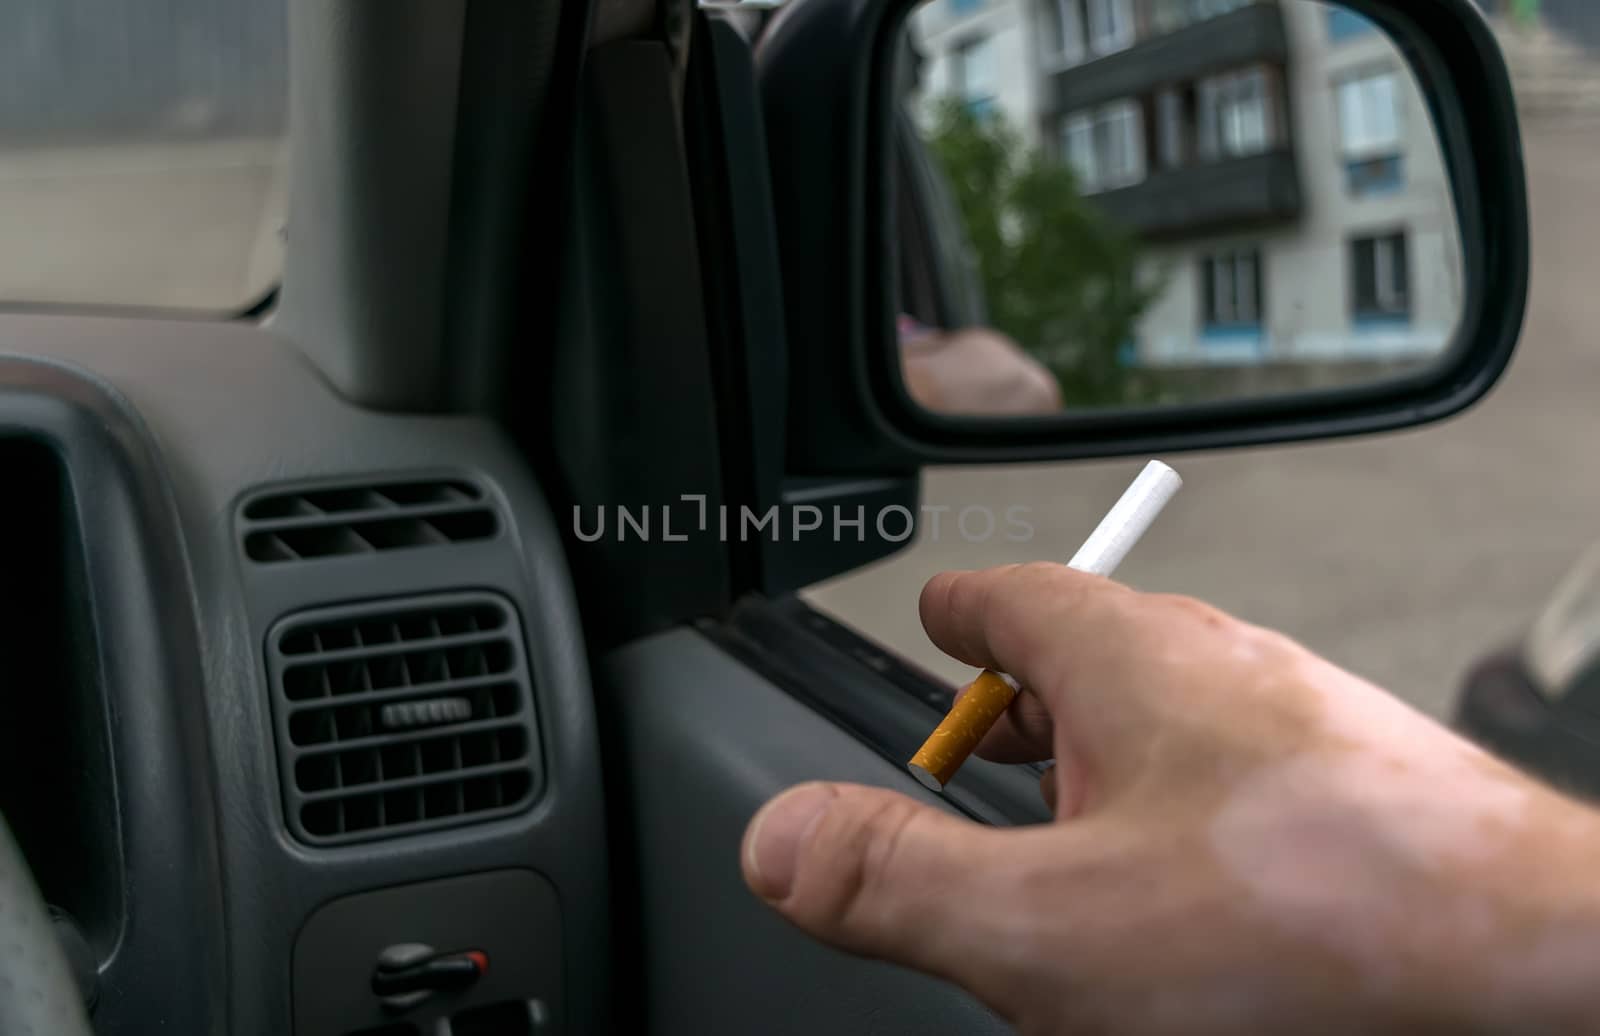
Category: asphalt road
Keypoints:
(1401, 557)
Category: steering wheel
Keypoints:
(38, 996)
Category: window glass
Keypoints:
(1062, 30)
(1172, 15)
(976, 73)
(1105, 147)
(1380, 277)
(142, 152)
(1110, 25)
(1232, 289)
(1169, 15)
(1169, 112)
(1243, 115)
(1344, 24)
(1234, 119)
(1052, 30)
(1078, 147)
(1119, 134)
(1385, 174)
(1369, 116)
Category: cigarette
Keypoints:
(988, 697)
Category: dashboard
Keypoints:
(307, 734)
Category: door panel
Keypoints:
(698, 743)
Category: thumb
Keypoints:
(875, 873)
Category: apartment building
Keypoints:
(1275, 159)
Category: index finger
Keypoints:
(1078, 638)
(1010, 619)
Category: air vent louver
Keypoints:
(401, 716)
(325, 522)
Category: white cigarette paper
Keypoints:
(1127, 522)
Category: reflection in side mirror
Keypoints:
(1130, 203)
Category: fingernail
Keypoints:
(772, 846)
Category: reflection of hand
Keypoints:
(1247, 839)
(975, 371)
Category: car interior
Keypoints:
(396, 657)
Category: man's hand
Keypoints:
(976, 371)
(1248, 839)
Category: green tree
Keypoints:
(1060, 278)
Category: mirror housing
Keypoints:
(826, 76)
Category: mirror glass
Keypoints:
(1136, 203)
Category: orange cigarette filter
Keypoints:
(968, 721)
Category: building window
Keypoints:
(1231, 291)
(1345, 24)
(1382, 175)
(1169, 15)
(1110, 25)
(1371, 133)
(1236, 115)
(1072, 29)
(975, 75)
(1380, 279)
(1172, 15)
(1171, 138)
(1369, 116)
(1077, 148)
(1061, 32)
(1120, 138)
(1105, 147)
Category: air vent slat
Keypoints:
(406, 627)
(432, 643)
(323, 751)
(315, 519)
(334, 521)
(402, 716)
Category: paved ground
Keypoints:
(191, 225)
(1402, 557)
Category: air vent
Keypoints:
(329, 521)
(402, 716)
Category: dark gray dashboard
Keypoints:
(162, 428)
(166, 632)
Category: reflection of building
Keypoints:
(1276, 160)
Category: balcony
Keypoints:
(1251, 34)
(1236, 192)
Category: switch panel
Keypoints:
(408, 958)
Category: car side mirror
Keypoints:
(1050, 229)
